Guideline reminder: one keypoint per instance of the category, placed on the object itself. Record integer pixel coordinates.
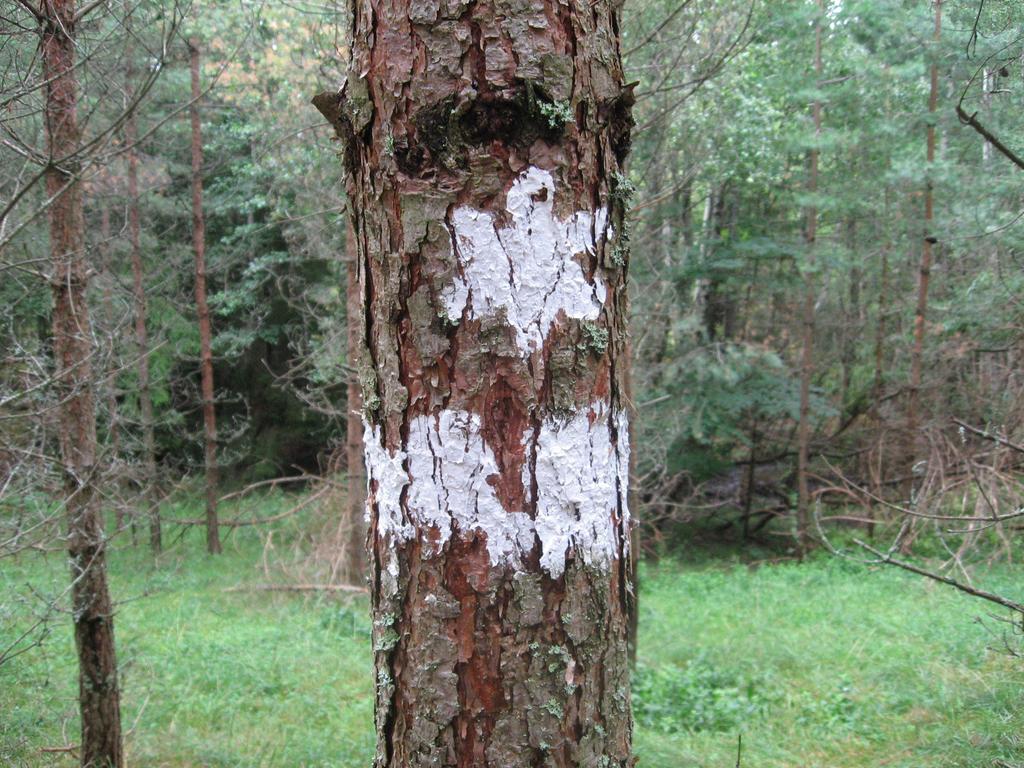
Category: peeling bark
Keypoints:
(483, 145)
(355, 537)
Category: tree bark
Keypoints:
(803, 504)
(355, 544)
(924, 271)
(149, 497)
(203, 310)
(92, 612)
(484, 146)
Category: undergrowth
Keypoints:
(824, 664)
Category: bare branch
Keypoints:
(888, 559)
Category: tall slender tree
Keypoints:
(149, 478)
(484, 150)
(110, 384)
(203, 308)
(928, 240)
(73, 348)
(810, 287)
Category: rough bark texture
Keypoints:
(483, 144)
(92, 613)
(355, 544)
(203, 310)
(151, 498)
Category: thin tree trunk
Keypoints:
(883, 311)
(803, 509)
(749, 480)
(114, 427)
(924, 275)
(716, 303)
(150, 496)
(92, 612)
(203, 310)
(879, 379)
(355, 546)
(485, 180)
(851, 327)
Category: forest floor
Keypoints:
(825, 664)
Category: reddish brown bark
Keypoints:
(925, 269)
(803, 508)
(92, 612)
(203, 310)
(150, 497)
(483, 661)
(355, 544)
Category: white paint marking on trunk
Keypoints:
(450, 464)
(579, 471)
(527, 271)
(581, 474)
(390, 476)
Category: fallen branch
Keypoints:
(298, 588)
(61, 750)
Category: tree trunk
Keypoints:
(106, 265)
(883, 310)
(483, 147)
(850, 331)
(878, 464)
(203, 310)
(150, 496)
(925, 269)
(355, 544)
(715, 301)
(92, 612)
(803, 504)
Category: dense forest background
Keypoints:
(720, 263)
(825, 234)
(720, 266)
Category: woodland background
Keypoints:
(766, 607)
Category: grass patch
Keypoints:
(822, 664)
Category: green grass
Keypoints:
(826, 663)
